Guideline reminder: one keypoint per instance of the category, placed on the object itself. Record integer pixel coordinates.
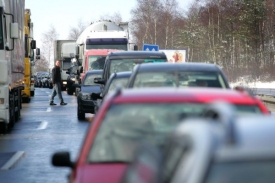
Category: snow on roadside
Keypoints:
(254, 84)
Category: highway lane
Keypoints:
(41, 131)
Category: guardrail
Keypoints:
(267, 95)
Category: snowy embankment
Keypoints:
(269, 85)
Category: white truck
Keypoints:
(64, 51)
(97, 40)
(11, 61)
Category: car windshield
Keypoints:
(129, 64)
(240, 172)
(118, 82)
(96, 62)
(179, 78)
(124, 125)
(89, 79)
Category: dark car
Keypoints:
(84, 102)
(178, 75)
(117, 79)
(220, 148)
(126, 60)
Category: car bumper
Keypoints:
(87, 106)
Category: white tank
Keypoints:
(100, 26)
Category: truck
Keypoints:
(12, 66)
(30, 45)
(64, 51)
(96, 41)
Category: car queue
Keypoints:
(153, 105)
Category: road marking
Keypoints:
(49, 109)
(43, 125)
(13, 160)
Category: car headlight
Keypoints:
(73, 79)
(86, 96)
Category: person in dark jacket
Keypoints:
(56, 78)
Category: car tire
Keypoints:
(70, 91)
(80, 114)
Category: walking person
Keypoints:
(56, 77)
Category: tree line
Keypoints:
(238, 35)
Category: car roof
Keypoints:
(137, 54)
(188, 94)
(248, 132)
(230, 139)
(189, 66)
(124, 74)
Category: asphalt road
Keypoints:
(25, 152)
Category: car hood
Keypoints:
(90, 89)
(101, 172)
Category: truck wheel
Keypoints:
(80, 115)
(3, 128)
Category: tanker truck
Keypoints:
(30, 45)
(12, 65)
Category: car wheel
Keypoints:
(70, 91)
(80, 114)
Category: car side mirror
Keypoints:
(62, 159)
(99, 81)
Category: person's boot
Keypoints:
(63, 103)
(51, 103)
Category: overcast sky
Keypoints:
(63, 14)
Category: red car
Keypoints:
(128, 117)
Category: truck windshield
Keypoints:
(1, 35)
(105, 46)
(66, 64)
(107, 43)
(96, 62)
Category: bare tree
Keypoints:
(116, 17)
(76, 31)
(42, 64)
(48, 39)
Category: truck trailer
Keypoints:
(12, 66)
(30, 45)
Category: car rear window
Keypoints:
(125, 125)
(240, 172)
(89, 79)
(118, 82)
(128, 64)
(180, 79)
